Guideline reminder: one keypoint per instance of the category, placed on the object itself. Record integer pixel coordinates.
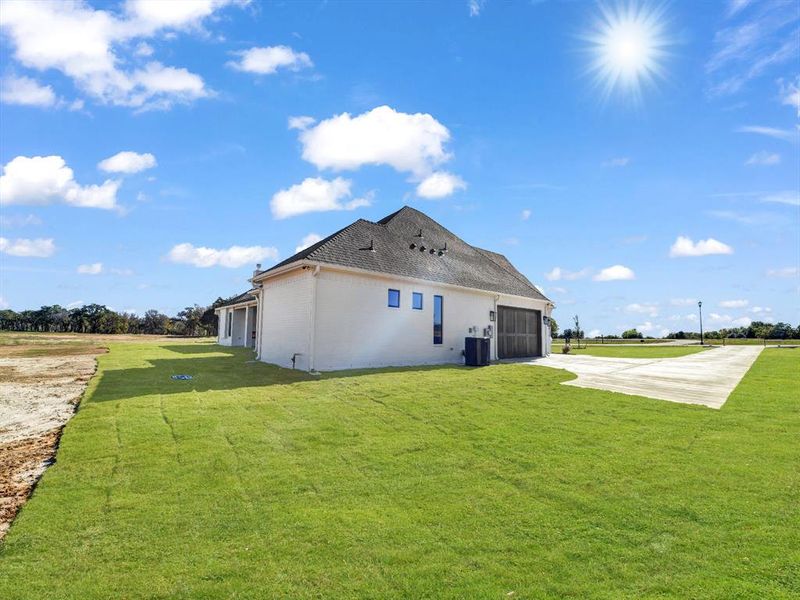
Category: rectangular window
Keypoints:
(228, 323)
(416, 301)
(438, 319)
(394, 298)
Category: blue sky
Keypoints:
(625, 207)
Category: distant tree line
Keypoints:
(756, 330)
(193, 320)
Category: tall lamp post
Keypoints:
(700, 308)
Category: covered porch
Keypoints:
(238, 321)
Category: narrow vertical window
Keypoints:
(438, 319)
(416, 301)
(228, 323)
(394, 298)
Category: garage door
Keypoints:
(518, 332)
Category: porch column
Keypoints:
(246, 333)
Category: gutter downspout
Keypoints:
(313, 332)
(259, 315)
(496, 335)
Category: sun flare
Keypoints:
(628, 44)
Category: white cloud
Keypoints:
(38, 248)
(792, 198)
(758, 310)
(144, 49)
(43, 179)
(648, 308)
(617, 162)
(233, 257)
(266, 61)
(26, 92)
(759, 39)
(164, 86)
(439, 185)
(409, 143)
(787, 135)
(475, 7)
(718, 318)
(309, 240)
(91, 269)
(684, 246)
(10, 221)
(682, 301)
(127, 162)
(301, 122)
(76, 304)
(790, 94)
(558, 274)
(764, 158)
(615, 273)
(525, 214)
(785, 272)
(734, 6)
(649, 327)
(121, 271)
(734, 303)
(315, 194)
(151, 15)
(594, 333)
(4, 303)
(95, 47)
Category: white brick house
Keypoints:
(402, 291)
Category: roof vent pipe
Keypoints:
(258, 269)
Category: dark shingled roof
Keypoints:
(384, 247)
(245, 297)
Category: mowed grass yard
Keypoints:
(643, 351)
(251, 481)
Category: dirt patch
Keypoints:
(38, 395)
(21, 465)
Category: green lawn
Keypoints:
(643, 351)
(253, 482)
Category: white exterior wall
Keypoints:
(222, 331)
(239, 333)
(285, 307)
(354, 327)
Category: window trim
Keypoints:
(441, 320)
(421, 296)
(389, 298)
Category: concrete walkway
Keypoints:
(705, 378)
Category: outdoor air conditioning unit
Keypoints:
(476, 351)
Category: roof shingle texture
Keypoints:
(385, 247)
(245, 297)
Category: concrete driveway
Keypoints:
(705, 378)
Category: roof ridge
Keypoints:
(385, 220)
